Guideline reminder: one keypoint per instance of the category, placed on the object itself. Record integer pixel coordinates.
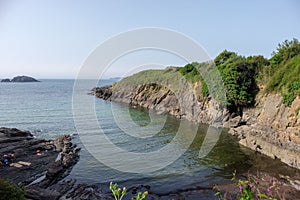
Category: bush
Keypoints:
(286, 80)
(288, 99)
(238, 74)
(191, 73)
(10, 191)
(285, 51)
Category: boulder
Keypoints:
(233, 123)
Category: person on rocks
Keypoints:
(6, 160)
(38, 152)
(12, 156)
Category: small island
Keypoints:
(19, 79)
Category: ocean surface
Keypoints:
(45, 108)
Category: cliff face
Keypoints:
(157, 97)
(272, 129)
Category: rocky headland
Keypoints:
(269, 127)
(19, 79)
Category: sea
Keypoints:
(46, 109)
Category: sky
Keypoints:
(53, 38)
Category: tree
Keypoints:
(238, 74)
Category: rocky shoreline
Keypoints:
(40, 166)
(272, 129)
(269, 127)
(44, 166)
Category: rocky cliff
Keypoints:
(165, 96)
(272, 128)
(269, 127)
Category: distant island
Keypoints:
(19, 79)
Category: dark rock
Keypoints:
(54, 171)
(13, 132)
(6, 80)
(38, 193)
(104, 92)
(44, 168)
(23, 79)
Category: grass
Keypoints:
(286, 80)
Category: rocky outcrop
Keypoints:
(270, 127)
(21, 79)
(37, 164)
(104, 92)
(6, 80)
(165, 101)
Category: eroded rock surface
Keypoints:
(270, 127)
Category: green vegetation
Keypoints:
(242, 76)
(239, 75)
(191, 73)
(119, 193)
(284, 71)
(149, 76)
(10, 191)
(250, 188)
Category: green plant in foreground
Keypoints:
(140, 196)
(118, 193)
(10, 191)
(248, 190)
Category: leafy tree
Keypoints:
(224, 56)
(238, 74)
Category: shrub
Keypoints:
(119, 193)
(10, 191)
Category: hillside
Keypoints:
(263, 97)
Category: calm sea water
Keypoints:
(45, 108)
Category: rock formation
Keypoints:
(270, 127)
(20, 79)
(36, 164)
(6, 80)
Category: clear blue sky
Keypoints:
(52, 38)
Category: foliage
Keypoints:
(10, 191)
(119, 193)
(140, 196)
(238, 74)
(249, 189)
(286, 80)
(191, 73)
(285, 51)
(241, 75)
(259, 64)
(162, 77)
(288, 99)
